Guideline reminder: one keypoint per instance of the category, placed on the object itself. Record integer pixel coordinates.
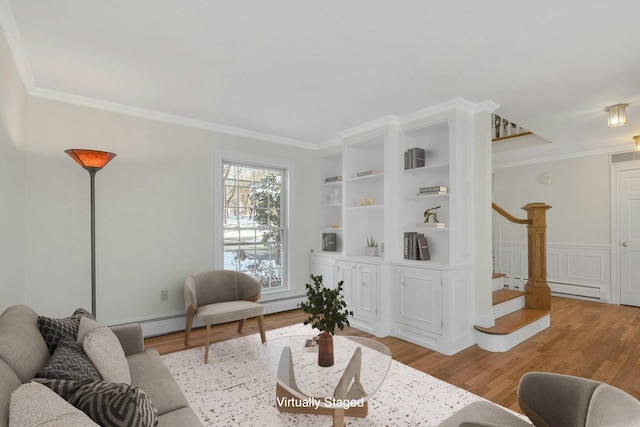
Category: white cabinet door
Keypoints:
(366, 292)
(324, 266)
(419, 298)
(360, 289)
(347, 273)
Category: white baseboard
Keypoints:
(176, 323)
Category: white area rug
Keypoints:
(235, 389)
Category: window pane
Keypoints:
(253, 230)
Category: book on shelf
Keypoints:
(438, 189)
(414, 158)
(333, 178)
(423, 249)
(366, 173)
(415, 246)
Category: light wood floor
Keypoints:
(586, 339)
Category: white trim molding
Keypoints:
(176, 322)
(573, 270)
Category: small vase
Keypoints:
(325, 349)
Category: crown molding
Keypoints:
(373, 125)
(165, 117)
(333, 142)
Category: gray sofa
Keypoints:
(23, 352)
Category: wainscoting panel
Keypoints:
(578, 271)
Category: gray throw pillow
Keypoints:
(105, 351)
(112, 404)
(69, 362)
(108, 404)
(53, 330)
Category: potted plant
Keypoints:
(327, 311)
(372, 247)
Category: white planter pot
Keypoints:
(371, 251)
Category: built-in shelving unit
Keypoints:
(428, 302)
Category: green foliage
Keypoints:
(371, 242)
(326, 307)
(265, 198)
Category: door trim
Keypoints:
(615, 169)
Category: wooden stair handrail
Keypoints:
(508, 216)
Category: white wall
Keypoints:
(578, 223)
(154, 210)
(578, 193)
(13, 101)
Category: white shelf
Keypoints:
(429, 228)
(378, 175)
(426, 168)
(427, 196)
(372, 207)
(332, 184)
(332, 205)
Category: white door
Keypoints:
(629, 229)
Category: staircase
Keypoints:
(520, 315)
(514, 322)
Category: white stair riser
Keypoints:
(507, 307)
(502, 343)
(497, 283)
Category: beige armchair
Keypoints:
(221, 296)
(554, 400)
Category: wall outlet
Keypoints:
(164, 295)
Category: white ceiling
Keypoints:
(301, 71)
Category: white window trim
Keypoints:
(251, 159)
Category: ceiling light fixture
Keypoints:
(617, 115)
(637, 144)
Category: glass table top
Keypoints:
(295, 365)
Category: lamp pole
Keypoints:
(92, 174)
(92, 161)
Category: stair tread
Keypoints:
(503, 295)
(514, 321)
(498, 275)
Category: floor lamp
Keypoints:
(92, 161)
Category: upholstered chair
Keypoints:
(555, 400)
(220, 296)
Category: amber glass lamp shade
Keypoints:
(636, 144)
(90, 159)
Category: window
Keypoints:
(254, 222)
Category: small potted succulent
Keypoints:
(372, 247)
(327, 311)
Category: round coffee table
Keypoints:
(360, 367)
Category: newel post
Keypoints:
(537, 291)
